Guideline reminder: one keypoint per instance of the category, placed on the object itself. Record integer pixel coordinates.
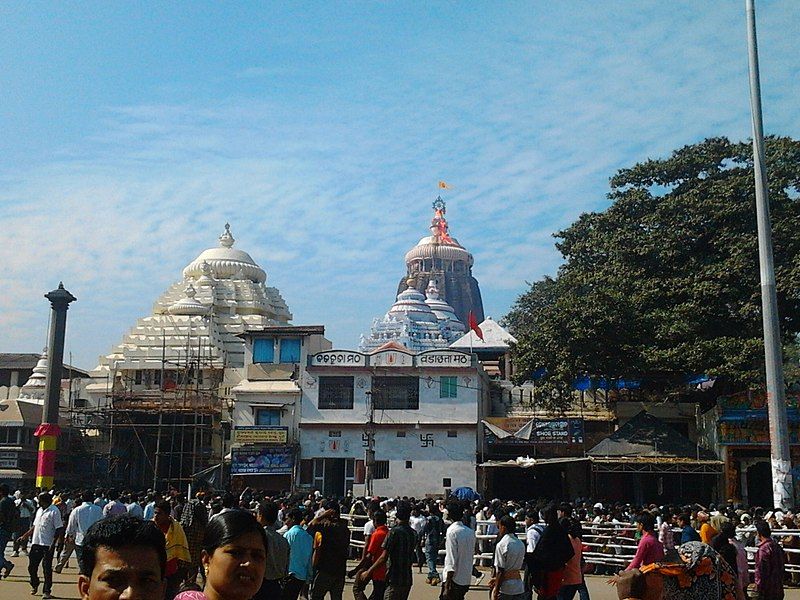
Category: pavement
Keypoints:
(16, 586)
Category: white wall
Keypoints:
(432, 460)
(432, 408)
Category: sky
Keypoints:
(131, 132)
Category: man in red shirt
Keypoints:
(374, 550)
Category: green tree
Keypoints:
(665, 281)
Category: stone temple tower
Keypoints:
(439, 257)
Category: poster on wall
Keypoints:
(272, 460)
(260, 434)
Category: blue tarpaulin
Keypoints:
(466, 493)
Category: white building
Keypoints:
(267, 401)
(427, 407)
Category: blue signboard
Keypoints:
(270, 460)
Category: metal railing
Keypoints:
(610, 545)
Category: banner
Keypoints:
(260, 434)
(271, 460)
(550, 431)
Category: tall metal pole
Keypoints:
(369, 452)
(782, 489)
(49, 430)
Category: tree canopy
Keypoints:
(665, 281)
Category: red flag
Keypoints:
(473, 325)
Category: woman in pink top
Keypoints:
(573, 574)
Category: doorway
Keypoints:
(759, 484)
(334, 476)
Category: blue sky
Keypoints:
(132, 131)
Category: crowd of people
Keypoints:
(255, 546)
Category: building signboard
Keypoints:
(265, 460)
(546, 431)
(443, 358)
(392, 358)
(339, 358)
(260, 434)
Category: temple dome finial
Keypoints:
(226, 240)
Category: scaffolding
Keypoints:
(156, 430)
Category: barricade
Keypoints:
(612, 546)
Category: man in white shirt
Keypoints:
(459, 546)
(133, 506)
(80, 520)
(417, 523)
(533, 532)
(509, 557)
(45, 530)
(115, 507)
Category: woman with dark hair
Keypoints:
(546, 562)
(234, 558)
(721, 543)
(573, 572)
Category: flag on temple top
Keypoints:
(444, 186)
(473, 324)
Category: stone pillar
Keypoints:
(49, 430)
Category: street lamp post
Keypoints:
(49, 430)
(782, 490)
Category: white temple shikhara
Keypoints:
(417, 322)
(221, 295)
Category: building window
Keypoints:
(157, 377)
(452, 433)
(409, 464)
(446, 482)
(8, 435)
(137, 377)
(448, 387)
(335, 392)
(290, 350)
(335, 434)
(401, 434)
(395, 393)
(381, 470)
(264, 350)
(268, 416)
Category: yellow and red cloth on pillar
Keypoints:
(46, 465)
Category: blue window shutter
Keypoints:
(290, 350)
(268, 416)
(264, 350)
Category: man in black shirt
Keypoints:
(331, 549)
(398, 554)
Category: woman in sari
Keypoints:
(702, 574)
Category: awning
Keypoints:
(15, 474)
(500, 433)
(266, 387)
(654, 464)
(526, 462)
